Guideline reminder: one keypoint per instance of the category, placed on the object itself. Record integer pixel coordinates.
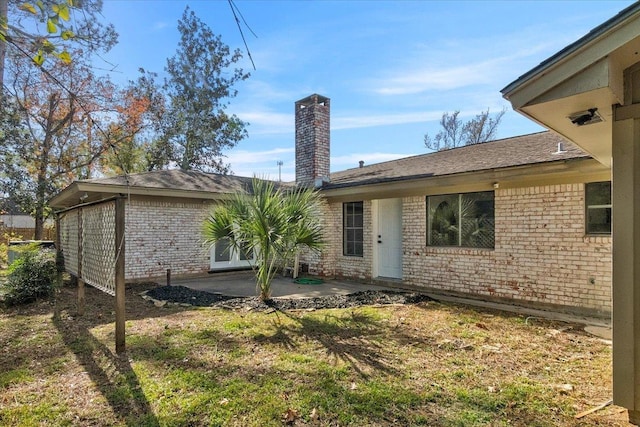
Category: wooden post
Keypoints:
(168, 277)
(81, 297)
(119, 276)
(296, 266)
(59, 255)
(626, 248)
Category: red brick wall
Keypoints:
(312, 117)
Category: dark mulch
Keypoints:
(184, 295)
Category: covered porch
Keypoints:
(589, 92)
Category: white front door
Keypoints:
(223, 257)
(389, 238)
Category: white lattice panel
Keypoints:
(69, 240)
(99, 246)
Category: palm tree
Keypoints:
(273, 223)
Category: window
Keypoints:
(465, 220)
(224, 256)
(353, 213)
(598, 207)
(222, 250)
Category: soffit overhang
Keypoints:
(81, 192)
(551, 173)
(587, 74)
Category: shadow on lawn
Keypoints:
(355, 339)
(111, 374)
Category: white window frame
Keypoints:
(234, 261)
(349, 246)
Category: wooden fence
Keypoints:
(11, 233)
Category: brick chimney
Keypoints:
(312, 141)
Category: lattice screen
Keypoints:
(97, 248)
(69, 240)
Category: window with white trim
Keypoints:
(224, 256)
(353, 227)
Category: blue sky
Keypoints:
(391, 68)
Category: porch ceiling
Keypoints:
(587, 74)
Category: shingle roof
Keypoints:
(510, 152)
(517, 151)
(178, 179)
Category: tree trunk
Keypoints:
(41, 197)
(3, 45)
(39, 217)
(43, 165)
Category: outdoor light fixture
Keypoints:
(84, 197)
(588, 117)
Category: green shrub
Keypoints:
(33, 275)
(5, 238)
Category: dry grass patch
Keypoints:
(428, 364)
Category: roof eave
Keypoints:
(71, 195)
(581, 44)
(575, 170)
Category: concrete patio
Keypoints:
(243, 283)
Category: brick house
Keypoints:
(524, 219)
(164, 213)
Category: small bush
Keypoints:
(34, 275)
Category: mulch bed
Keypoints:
(188, 296)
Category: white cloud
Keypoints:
(263, 164)
(253, 157)
(267, 122)
(261, 88)
(265, 173)
(435, 79)
(371, 120)
(159, 25)
(457, 64)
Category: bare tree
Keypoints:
(455, 133)
(48, 136)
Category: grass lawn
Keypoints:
(430, 364)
